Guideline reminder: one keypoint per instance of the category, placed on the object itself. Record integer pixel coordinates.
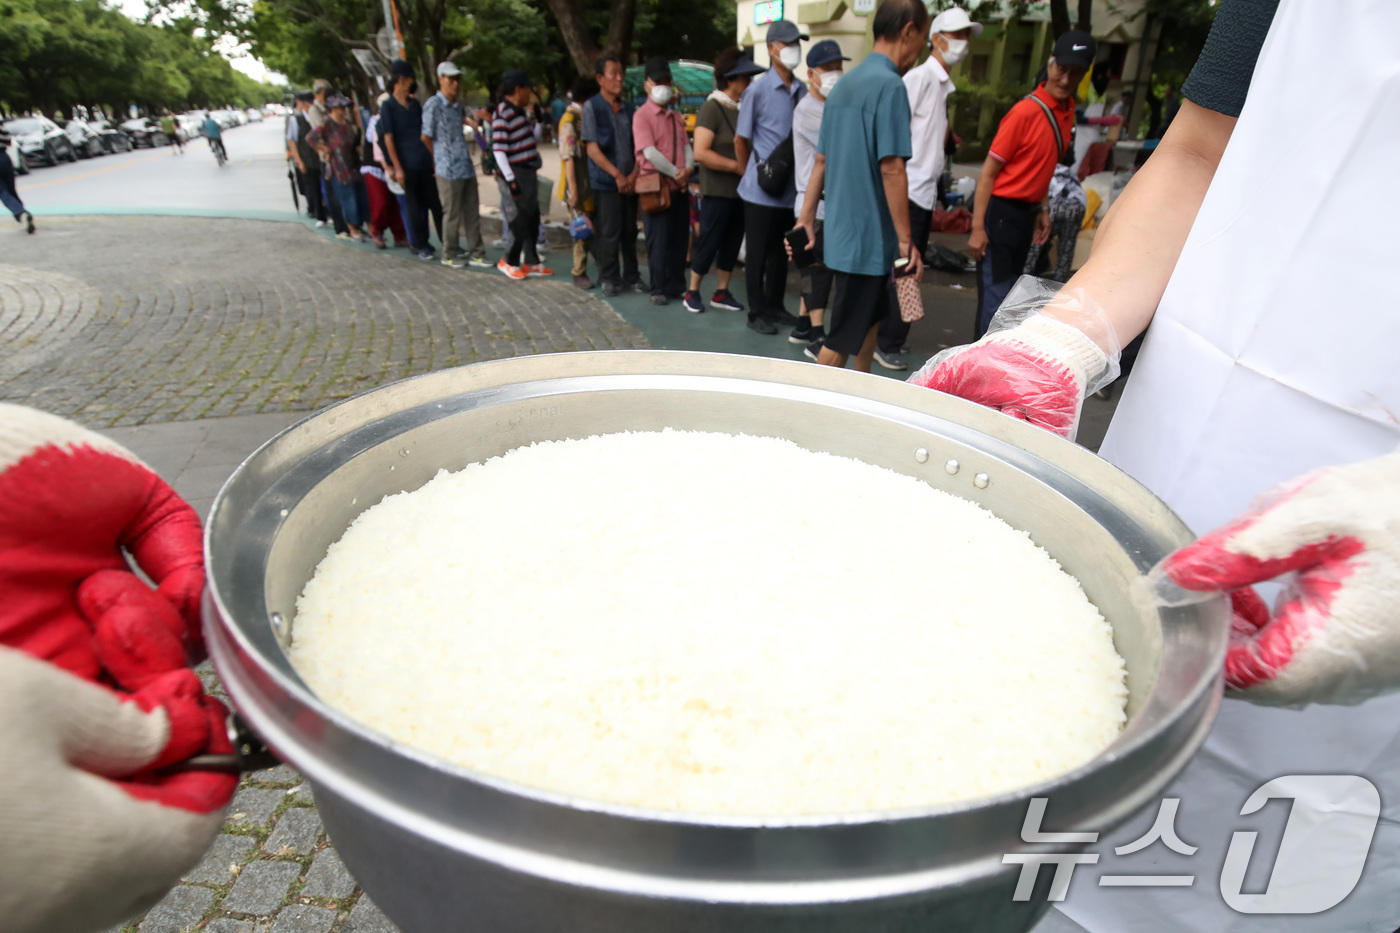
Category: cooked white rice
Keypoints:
(712, 624)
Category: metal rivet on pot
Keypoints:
(284, 513)
(952, 466)
(280, 629)
(404, 452)
(981, 480)
(921, 455)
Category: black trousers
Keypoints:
(616, 236)
(525, 225)
(894, 330)
(765, 262)
(310, 185)
(1010, 229)
(420, 191)
(721, 233)
(667, 236)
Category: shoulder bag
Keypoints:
(655, 195)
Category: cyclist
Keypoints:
(216, 138)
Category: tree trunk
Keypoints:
(624, 16)
(1059, 17)
(574, 28)
(1086, 11)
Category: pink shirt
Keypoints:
(664, 129)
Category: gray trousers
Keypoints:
(461, 215)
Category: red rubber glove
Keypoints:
(1038, 371)
(1334, 635)
(70, 502)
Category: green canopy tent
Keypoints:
(693, 80)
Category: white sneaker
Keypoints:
(320, 224)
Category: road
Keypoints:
(253, 184)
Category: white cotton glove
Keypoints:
(1334, 634)
(79, 852)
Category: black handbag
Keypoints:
(775, 172)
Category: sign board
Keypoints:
(767, 11)
(863, 7)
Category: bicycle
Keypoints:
(217, 145)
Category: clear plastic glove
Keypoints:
(84, 849)
(1039, 360)
(71, 502)
(1334, 633)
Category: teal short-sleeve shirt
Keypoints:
(866, 120)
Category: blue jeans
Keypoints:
(354, 202)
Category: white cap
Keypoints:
(952, 20)
(448, 70)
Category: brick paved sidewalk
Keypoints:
(132, 320)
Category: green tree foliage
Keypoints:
(56, 54)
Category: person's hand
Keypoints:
(515, 192)
(396, 174)
(1038, 370)
(806, 227)
(683, 177)
(92, 838)
(1333, 636)
(301, 166)
(1042, 228)
(71, 502)
(573, 200)
(977, 243)
(915, 266)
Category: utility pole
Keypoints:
(391, 23)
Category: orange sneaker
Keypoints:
(514, 272)
(539, 269)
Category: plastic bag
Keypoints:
(1046, 350)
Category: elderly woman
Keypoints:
(721, 211)
(338, 142)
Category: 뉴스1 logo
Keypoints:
(1319, 862)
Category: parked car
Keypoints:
(41, 139)
(87, 142)
(190, 126)
(16, 157)
(254, 115)
(144, 132)
(113, 139)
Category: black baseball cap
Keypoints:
(785, 32)
(823, 52)
(306, 97)
(1075, 49)
(400, 68)
(515, 78)
(658, 70)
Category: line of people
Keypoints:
(410, 163)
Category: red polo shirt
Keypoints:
(1025, 145)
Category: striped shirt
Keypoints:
(512, 135)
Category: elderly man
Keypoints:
(308, 163)
(762, 134)
(861, 153)
(825, 65)
(1010, 209)
(929, 86)
(443, 119)
(606, 130)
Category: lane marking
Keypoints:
(101, 171)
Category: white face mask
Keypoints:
(828, 81)
(790, 56)
(955, 52)
(661, 94)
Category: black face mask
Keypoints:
(412, 88)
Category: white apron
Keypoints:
(1275, 350)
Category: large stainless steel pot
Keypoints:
(442, 848)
